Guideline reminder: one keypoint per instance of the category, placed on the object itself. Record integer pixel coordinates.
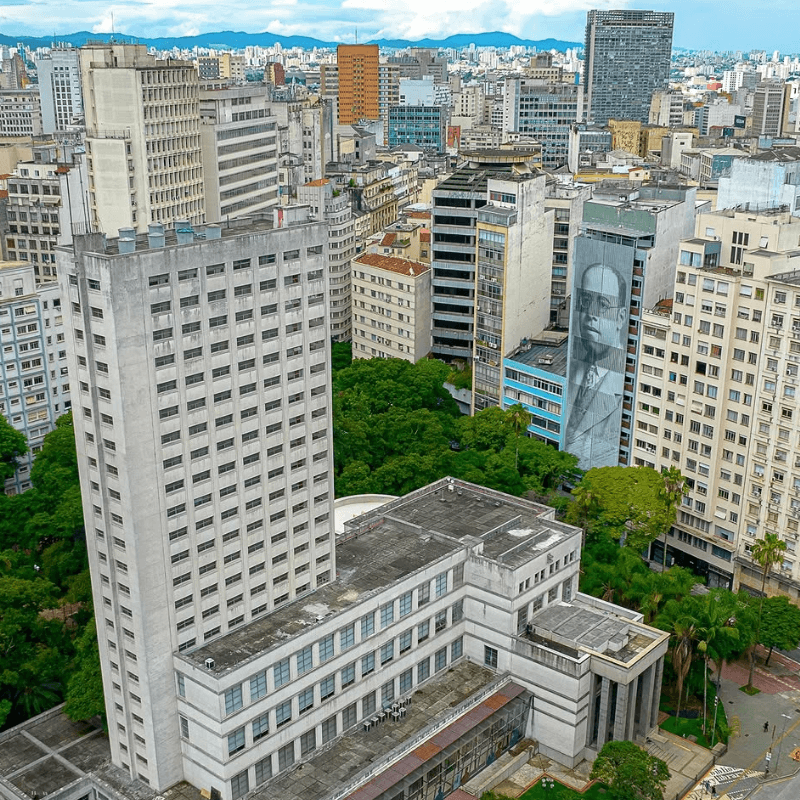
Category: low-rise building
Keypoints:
(391, 307)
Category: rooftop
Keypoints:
(581, 628)
(410, 533)
(783, 154)
(401, 266)
(363, 751)
(549, 356)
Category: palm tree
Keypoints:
(767, 552)
(519, 418)
(586, 507)
(684, 632)
(671, 494)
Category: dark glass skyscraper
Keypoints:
(627, 58)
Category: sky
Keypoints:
(699, 24)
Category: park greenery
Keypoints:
(395, 429)
(630, 772)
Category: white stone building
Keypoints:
(200, 363)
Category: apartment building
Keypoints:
(203, 434)
(60, 88)
(721, 409)
(358, 82)
(238, 135)
(334, 208)
(391, 307)
(34, 385)
(513, 236)
(35, 204)
(143, 150)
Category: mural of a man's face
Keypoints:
(601, 316)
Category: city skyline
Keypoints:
(697, 25)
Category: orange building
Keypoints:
(358, 82)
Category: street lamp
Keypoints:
(714, 727)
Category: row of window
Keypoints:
(308, 742)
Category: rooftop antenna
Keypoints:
(356, 35)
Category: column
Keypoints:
(647, 695)
(621, 716)
(656, 689)
(633, 690)
(603, 725)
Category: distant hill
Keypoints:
(236, 40)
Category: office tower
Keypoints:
(143, 150)
(514, 235)
(421, 125)
(60, 89)
(544, 110)
(225, 66)
(238, 135)
(719, 400)
(626, 58)
(200, 364)
(391, 307)
(358, 82)
(770, 108)
(34, 385)
(456, 202)
(20, 112)
(584, 141)
(334, 209)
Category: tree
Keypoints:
(84, 697)
(767, 552)
(630, 504)
(684, 632)
(12, 447)
(780, 625)
(671, 494)
(630, 772)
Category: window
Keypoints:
(240, 785)
(456, 649)
(347, 637)
(260, 727)
(387, 652)
(305, 700)
(233, 699)
(490, 656)
(258, 685)
(348, 675)
(327, 687)
(423, 594)
(441, 584)
(283, 713)
(367, 664)
(304, 660)
(387, 614)
(423, 670)
(440, 660)
(405, 604)
(326, 648)
(423, 631)
(367, 625)
(440, 621)
(236, 741)
(285, 757)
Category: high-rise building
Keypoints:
(719, 397)
(514, 234)
(334, 209)
(358, 82)
(60, 89)
(456, 202)
(34, 384)
(770, 108)
(626, 58)
(20, 112)
(239, 135)
(200, 366)
(545, 110)
(143, 150)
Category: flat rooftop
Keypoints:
(582, 628)
(358, 751)
(409, 534)
(49, 752)
(540, 353)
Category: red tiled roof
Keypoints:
(417, 214)
(392, 264)
(388, 239)
(320, 182)
(425, 236)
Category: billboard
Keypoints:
(739, 121)
(599, 314)
(453, 138)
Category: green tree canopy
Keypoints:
(629, 502)
(12, 447)
(630, 772)
(780, 624)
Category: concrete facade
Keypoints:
(143, 149)
(60, 89)
(391, 307)
(34, 384)
(764, 180)
(181, 509)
